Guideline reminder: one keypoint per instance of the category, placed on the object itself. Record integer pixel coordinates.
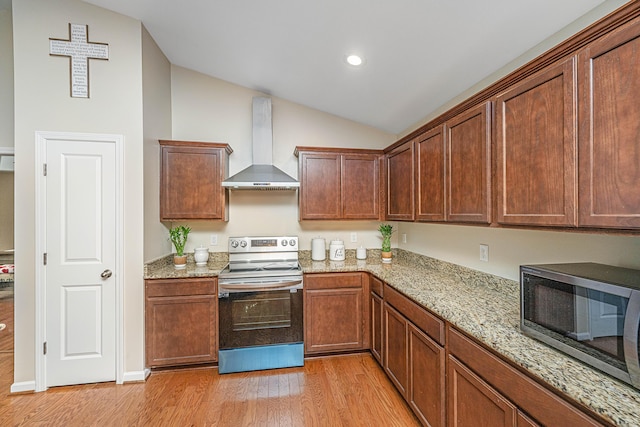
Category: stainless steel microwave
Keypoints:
(589, 311)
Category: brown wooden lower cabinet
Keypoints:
(336, 312)
(416, 365)
(472, 402)
(426, 394)
(181, 321)
(470, 360)
(396, 355)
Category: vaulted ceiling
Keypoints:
(418, 54)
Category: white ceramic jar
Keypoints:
(201, 256)
(336, 250)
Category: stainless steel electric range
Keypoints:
(260, 305)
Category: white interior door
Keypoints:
(81, 252)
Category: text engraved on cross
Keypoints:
(79, 50)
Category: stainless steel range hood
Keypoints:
(262, 174)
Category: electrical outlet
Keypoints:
(214, 240)
(354, 237)
(404, 237)
(484, 253)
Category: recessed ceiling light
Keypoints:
(354, 60)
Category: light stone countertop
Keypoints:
(484, 306)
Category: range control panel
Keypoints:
(263, 244)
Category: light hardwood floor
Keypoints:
(333, 391)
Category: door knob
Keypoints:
(106, 274)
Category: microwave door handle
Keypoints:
(631, 329)
(260, 287)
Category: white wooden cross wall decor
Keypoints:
(79, 50)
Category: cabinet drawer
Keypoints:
(376, 286)
(544, 406)
(333, 280)
(179, 287)
(427, 322)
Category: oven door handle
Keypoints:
(261, 287)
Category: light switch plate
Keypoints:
(214, 240)
(354, 237)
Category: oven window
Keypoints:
(261, 311)
(248, 319)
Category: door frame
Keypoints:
(41, 139)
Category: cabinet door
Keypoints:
(190, 182)
(333, 320)
(400, 186)
(536, 149)
(335, 312)
(181, 330)
(468, 138)
(360, 193)
(472, 402)
(609, 107)
(376, 327)
(320, 186)
(430, 171)
(396, 347)
(426, 394)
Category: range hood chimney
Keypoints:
(262, 174)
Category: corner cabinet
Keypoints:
(191, 175)
(181, 321)
(339, 183)
(536, 149)
(609, 141)
(336, 312)
(400, 181)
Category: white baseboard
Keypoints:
(135, 376)
(23, 387)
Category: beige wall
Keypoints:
(6, 79)
(510, 248)
(156, 87)
(209, 109)
(42, 103)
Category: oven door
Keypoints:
(260, 325)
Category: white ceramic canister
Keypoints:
(318, 249)
(336, 250)
(201, 256)
(361, 253)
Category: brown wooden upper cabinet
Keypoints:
(191, 175)
(536, 149)
(609, 141)
(400, 164)
(430, 179)
(453, 164)
(339, 183)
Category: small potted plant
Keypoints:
(386, 230)
(178, 236)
